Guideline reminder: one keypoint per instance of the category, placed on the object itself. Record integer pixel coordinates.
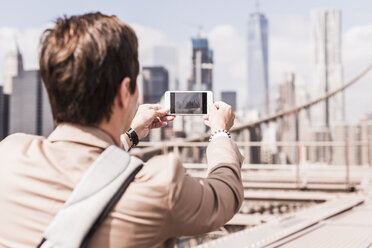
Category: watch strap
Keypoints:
(132, 136)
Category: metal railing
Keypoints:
(302, 151)
(244, 128)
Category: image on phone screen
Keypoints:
(188, 102)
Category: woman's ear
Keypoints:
(124, 93)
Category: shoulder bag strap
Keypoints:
(93, 198)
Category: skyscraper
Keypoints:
(229, 97)
(155, 83)
(29, 105)
(288, 126)
(327, 67)
(13, 65)
(2, 131)
(202, 65)
(167, 56)
(258, 79)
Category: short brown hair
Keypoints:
(83, 61)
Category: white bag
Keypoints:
(93, 198)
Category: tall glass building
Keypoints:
(202, 65)
(167, 56)
(327, 67)
(2, 116)
(155, 83)
(229, 97)
(30, 111)
(258, 79)
(13, 66)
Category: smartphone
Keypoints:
(188, 102)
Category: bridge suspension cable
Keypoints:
(269, 118)
(281, 114)
(296, 109)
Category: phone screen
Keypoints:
(188, 103)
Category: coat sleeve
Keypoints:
(199, 205)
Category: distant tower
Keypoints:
(2, 134)
(13, 66)
(258, 79)
(155, 83)
(229, 97)
(30, 111)
(327, 67)
(167, 56)
(202, 65)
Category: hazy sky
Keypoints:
(224, 23)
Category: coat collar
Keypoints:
(92, 136)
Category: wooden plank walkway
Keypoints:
(344, 222)
(349, 230)
(352, 229)
(279, 229)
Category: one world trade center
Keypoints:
(258, 80)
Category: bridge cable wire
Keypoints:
(269, 118)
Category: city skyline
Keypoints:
(287, 164)
(289, 44)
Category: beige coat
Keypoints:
(38, 174)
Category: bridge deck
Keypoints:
(266, 235)
(351, 229)
(339, 222)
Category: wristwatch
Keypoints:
(133, 137)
